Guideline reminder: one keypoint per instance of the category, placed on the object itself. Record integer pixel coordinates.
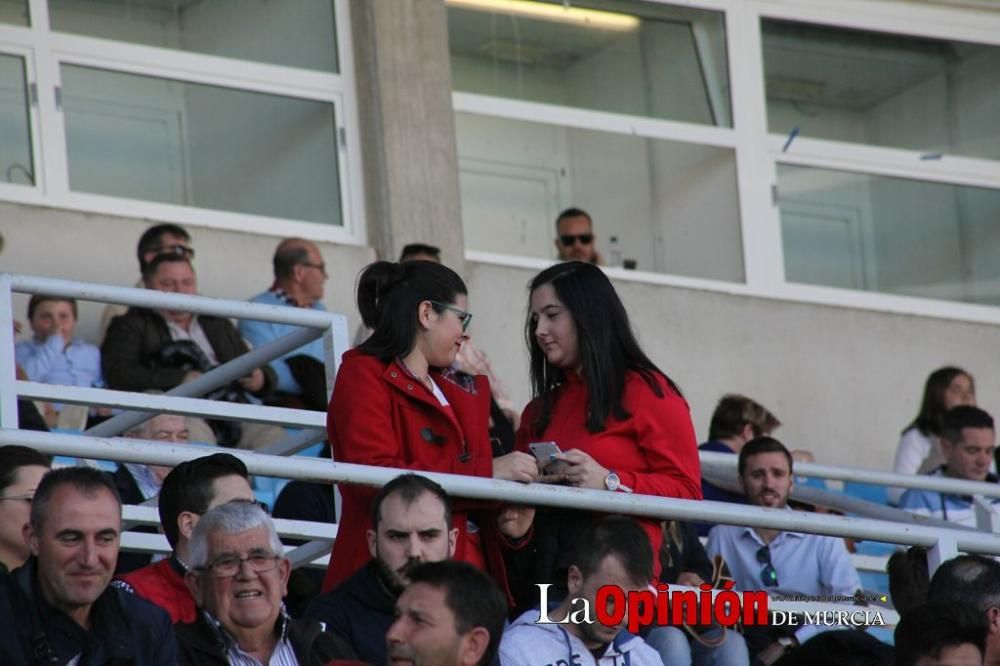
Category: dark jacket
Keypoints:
(134, 340)
(200, 644)
(359, 611)
(125, 630)
(684, 554)
(129, 492)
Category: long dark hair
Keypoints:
(389, 295)
(605, 343)
(932, 409)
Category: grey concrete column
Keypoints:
(407, 126)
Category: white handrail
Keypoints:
(725, 463)
(943, 541)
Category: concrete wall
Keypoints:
(843, 381)
(100, 248)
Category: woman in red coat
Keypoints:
(621, 423)
(397, 403)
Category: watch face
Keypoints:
(612, 481)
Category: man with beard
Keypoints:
(781, 563)
(411, 524)
(614, 551)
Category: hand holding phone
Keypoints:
(545, 454)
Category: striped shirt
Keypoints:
(283, 654)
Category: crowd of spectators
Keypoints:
(416, 577)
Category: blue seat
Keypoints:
(867, 491)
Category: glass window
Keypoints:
(672, 206)
(197, 145)
(632, 57)
(14, 11)
(931, 95)
(16, 165)
(890, 235)
(300, 33)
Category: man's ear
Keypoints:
(574, 580)
(473, 646)
(452, 541)
(747, 433)
(28, 532)
(284, 570)
(186, 521)
(372, 542)
(993, 619)
(193, 582)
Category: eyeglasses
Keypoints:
(466, 317)
(228, 566)
(23, 498)
(768, 575)
(180, 250)
(321, 267)
(570, 239)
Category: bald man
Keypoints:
(299, 279)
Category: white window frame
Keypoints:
(758, 152)
(46, 51)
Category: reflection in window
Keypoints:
(890, 235)
(15, 131)
(299, 33)
(636, 58)
(197, 145)
(930, 95)
(672, 206)
(14, 11)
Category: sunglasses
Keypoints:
(570, 239)
(179, 250)
(466, 317)
(768, 575)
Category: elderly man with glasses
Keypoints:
(781, 563)
(238, 577)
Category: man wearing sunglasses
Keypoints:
(238, 576)
(781, 563)
(575, 237)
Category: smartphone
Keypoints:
(543, 452)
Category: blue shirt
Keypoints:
(806, 564)
(934, 504)
(53, 362)
(259, 333)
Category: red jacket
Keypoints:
(380, 415)
(163, 584)
(654, 451)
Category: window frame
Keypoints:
(759, 152)
(48, 50)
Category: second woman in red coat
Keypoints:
(621, 422)
(397, 403)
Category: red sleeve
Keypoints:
(362, 425)
(665, 435)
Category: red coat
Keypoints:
(163, 584)
(380, 415)
(654, 451)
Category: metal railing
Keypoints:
(97, 443)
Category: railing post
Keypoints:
(941, 552)
(8, 368)
(987, 518)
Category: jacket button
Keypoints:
(394, 374)
(409, 387)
